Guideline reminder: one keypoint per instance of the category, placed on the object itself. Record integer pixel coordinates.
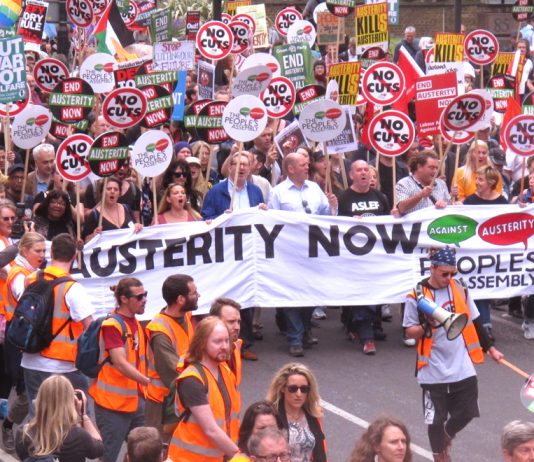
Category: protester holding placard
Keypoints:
(114, 214)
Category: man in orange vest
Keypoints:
(73, 312)
(206, 398)
(445, 368)
(169, 335)
(119, 389)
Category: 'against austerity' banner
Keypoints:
(273, 258)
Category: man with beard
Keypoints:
(120, 385)
(207, 398)
(169, 334)
(360, 200)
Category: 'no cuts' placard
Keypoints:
(383, 83)
(124, 107)
(519, 134)
(391, 133)
(481, 47)
(215, 40)
(285, 18)
(279, 97)
(71, 162)
(463, 112)
(48, 73)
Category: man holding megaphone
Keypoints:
(441, 315)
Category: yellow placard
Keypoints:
(347, 76)
(449, 48)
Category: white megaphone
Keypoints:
(453, 323)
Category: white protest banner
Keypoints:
(481, 47)
(13, 70)
(519, 134)
(174, 56)
(322, 120)
(71, 162)
(302, 31)
(244, 118)
(371, 261)
(48, 72)
(124, 107)
(30, 126)
(152, 153)
(391, 133)
(346, 141)
(214, 40)
(97, 71)
(251, 81)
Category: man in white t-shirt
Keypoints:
(73, 313)
(445, 368)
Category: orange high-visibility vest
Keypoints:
(189, 442)
(180, 339)
(64, 346)
(3, 282)
(469, 334)
(112, 389)
(11, 301)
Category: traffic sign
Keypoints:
(481, 47)
(279, 97)
(124, 107)
(391, 133)
(383, 83)
(215, 40)
(71, 162)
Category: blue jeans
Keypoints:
(485, 313)
(298, 321)
(360, 321)
(33, 380)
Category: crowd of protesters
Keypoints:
(182, 376)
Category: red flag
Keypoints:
(412, 72)
(513, 108)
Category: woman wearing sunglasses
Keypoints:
(295, 397)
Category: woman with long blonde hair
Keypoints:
(174, 206)
(294, 395)
(465, 177)
(61, 426)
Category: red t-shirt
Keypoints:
(113, 336)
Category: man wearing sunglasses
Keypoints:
(445, 367)
(119, 388)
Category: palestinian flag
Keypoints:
(108, 40)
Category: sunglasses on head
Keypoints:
(139, 297)
(295, 388)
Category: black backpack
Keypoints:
(30, 329)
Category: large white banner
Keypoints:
(280, 259)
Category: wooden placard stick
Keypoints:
(24, 178)
(7, 137)
(78, 221)
(522, 182)
(273, 169)
(102, 201)
(394, 175)
(328, 179)
(155, 200)
(341, 158)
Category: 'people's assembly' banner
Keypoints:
(273, 258)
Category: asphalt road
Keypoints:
(356, 388)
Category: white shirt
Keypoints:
(80, 307)
(308, 199)
(241, 200)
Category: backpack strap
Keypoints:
(124, 328)
(55, 282)
(187, 413)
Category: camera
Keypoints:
(78, 394)
(18, 226)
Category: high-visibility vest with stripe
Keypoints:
(11, 301)
(112, 389)
(180, 339)
(469, 334)
(237, 372)
(3, 282)
(65, 344)
(189, 442)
